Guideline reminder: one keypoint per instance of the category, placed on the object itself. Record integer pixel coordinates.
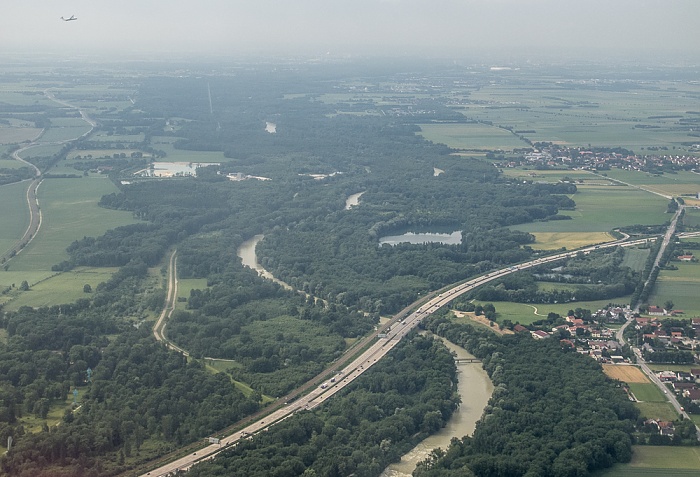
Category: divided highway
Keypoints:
(391, 334)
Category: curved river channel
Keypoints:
(475, 388)
(473, 384)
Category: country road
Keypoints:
(32, 200)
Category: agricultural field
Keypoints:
(591, 220)
(11, 164)
(680, 286)
(69, 212)
(671, 367)
(635, 258)
(576, 114)
(15, 214)
(164, 143)
(627, 374)
(568, 240)
(65, 287)
(657, 410)
(12, 135)
(691, 218)
(669, 461)
(678, 184)
(554, 175)
(104, 137)
(647, 392)
(67, 133)
(471, 136)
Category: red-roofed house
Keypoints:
(656, 311)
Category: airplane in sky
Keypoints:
(72, 17)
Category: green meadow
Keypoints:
(165, 143)
(647, 392)
(69, 212)
(526, 314)
(667, 461)
(15, 214)
(592, 216)
(471, 136)
(657, 410)
(573, 114)
(55, 288)
(636, 258)
(680, 286)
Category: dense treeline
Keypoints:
(598, 275)
(394, 405)
(48, 354)
(553, 412)
(139, 391)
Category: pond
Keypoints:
(453, 238)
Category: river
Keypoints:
(247, 253)
(353, 200)
(475, 388)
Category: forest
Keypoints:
(401, 400)
(552, 413)
(278, 339)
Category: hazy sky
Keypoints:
(449, 28)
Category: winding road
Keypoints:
(32, 201)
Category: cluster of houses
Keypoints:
(658, 335)
(558, 156)
(683, 383)
(593, 339)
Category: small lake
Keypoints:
(454, 238)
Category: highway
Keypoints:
(391, 334)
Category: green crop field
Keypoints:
(680, 286)
(569, 114)
(671, 367)
(657, 410)
(165, 144)
(647, 392)
(17, 135)
(15, 214)
(471, 136)
(636, 258)
(555, 175)
(692, 218)
(66, 287)
(664, 461)
(68, 133)
(11, 164)
(102, 137)
(592, 216)
(69, 212)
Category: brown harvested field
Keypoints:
(625, 373)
